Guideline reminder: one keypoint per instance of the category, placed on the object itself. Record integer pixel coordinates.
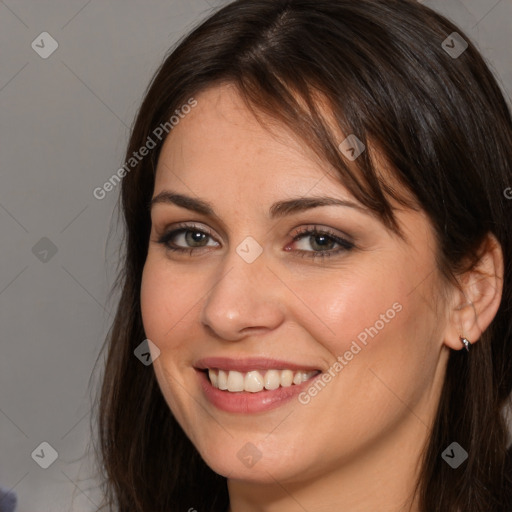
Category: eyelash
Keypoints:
(345, 244)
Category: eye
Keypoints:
(322, 241)
(189, 234)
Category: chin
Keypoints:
(242, 460)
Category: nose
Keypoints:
(247, 298)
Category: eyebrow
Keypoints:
(277, 210)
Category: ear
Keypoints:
(474, 305)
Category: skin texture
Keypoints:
(355, 446)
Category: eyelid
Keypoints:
(187, 226)
(323, 230)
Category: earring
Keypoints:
(466, 342)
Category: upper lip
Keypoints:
(251, 363)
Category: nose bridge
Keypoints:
(244, 294)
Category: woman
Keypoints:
(318, 264)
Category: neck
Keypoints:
(382, 477)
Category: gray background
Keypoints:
(64, 126)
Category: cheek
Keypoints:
(379, 332)
(340, 307)
(153, 301)
(165, 299)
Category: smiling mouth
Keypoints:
(255, 381)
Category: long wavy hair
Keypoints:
(441, 121)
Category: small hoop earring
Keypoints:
(466, 342)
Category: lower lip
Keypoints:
(246, 402)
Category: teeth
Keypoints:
(235, 381)
(272, 379)
(286, 378)
(254, 381)
(214, 378)
(222, 380)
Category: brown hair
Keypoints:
(446, 130)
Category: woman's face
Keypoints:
(245, 298)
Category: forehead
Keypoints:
(220, 139)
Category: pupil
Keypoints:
(196, 236)
(324, 240)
